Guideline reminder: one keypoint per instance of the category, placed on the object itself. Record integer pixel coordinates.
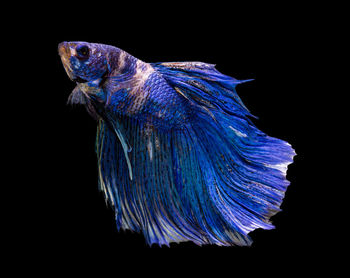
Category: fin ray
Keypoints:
(212, 180)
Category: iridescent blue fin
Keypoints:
(119, 131)
(211, 181)
(204, 85)
(246, 168)
(168, 199)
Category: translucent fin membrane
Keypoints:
(211, 181)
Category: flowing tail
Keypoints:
(211, 182)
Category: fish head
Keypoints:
(83, 61)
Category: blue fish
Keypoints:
(179, 158)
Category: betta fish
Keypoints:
(179, 158)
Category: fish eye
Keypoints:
(82, 51)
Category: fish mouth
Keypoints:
(66, 51)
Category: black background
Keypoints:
(65, 216)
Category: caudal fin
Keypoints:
(245, 169)
(212, 181)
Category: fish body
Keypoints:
(178, 157)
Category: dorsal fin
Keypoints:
(204, 85)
